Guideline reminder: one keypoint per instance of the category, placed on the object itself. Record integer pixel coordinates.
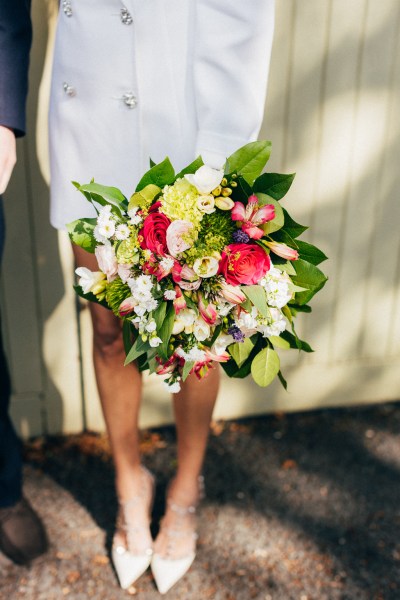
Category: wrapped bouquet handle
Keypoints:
(202, 266)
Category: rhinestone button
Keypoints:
(67, 8)
(126, 16)
(130, 99)
(69, 90)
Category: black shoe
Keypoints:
(22, 533)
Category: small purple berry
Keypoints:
(235, 332)
(240, 237)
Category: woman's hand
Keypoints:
(8, 156)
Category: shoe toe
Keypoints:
(129, 567)
(167, 572)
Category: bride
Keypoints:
(133, 80)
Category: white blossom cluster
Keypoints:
(277, 286)
(253, 322)
(141, 288)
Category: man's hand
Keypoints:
(8, 156)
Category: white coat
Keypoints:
(152, 78)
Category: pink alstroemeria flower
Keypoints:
(283, 250)
(179, 302)
(252, 215)
(207, 310)
(127, 306)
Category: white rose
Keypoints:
(206, 266)
(187, 316)
(178, 327)
(205, 203)
(221, 343)
(107, 260)
(201, 329)
(206, 179)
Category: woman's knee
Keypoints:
(107, 335)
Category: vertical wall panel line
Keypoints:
(339, 257)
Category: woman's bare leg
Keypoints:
(193, 411)
(120, 394)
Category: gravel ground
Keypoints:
(302, 507)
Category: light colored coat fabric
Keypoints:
(152, 78)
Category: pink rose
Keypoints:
(154, 233)
(244, 264)
(178, 237)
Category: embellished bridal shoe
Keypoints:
(169, 565)
(132, 547)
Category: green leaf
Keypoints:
(104, 195)
(296, 308)
(241, 351)
(278, 342)
(159, 314)
(81, 233)
(307, 276)
(310, 253)
(139, 347)
(192, 168)
(145, 197)
(265, 367)
(279, 219)
(282, 380)
(187, 367)
(274, 184)
(166, 331)
(256, 295)
(294, 341)
(249, 160)
(291, 227)
(152, 163)
(161, 174)
(285, 266)
(127, 335)
(90, 297)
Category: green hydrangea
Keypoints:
(116, 292)
(179, 202)
(215, 233)
(128, 250)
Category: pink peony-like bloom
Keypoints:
(252, 215)
(207, 310)
(283, 250)
(178, 238)
(107, 260)
(154, 233)
(244, 264)
(232, 293)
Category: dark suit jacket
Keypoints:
(15, 43)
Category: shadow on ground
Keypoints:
(298, 507)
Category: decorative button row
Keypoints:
(67, 8)
(128, 98)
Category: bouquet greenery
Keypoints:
(202, 266)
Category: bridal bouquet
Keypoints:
(202, 266)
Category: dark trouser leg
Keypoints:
(10, 453)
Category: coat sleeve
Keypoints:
(15, 42)
(233, 40)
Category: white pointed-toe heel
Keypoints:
(171, 565)
(132, 557)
